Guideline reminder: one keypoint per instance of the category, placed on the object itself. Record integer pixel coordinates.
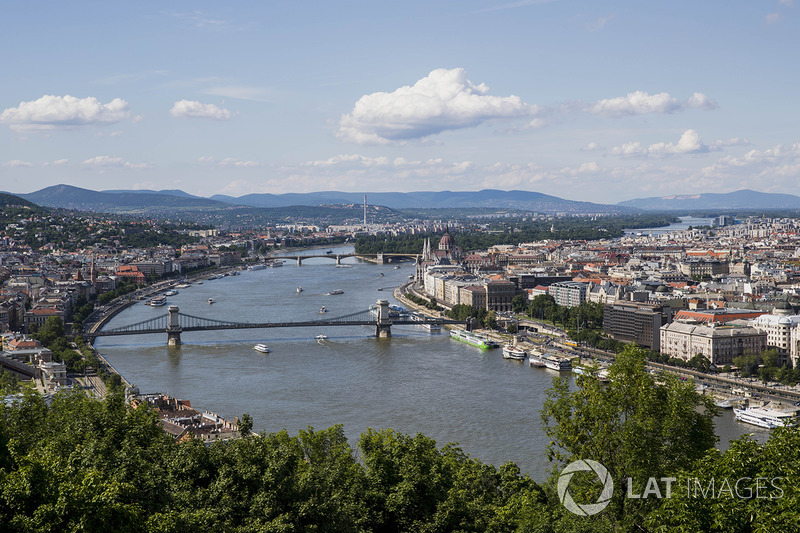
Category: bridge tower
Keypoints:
(379, 259)
(383, 328)
(299, 261)
(173, 328)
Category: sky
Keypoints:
(585, 100)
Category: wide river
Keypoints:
(415, 382)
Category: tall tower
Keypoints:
(365, 211)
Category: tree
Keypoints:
(699, 362)
(490, 320)
(518, 303)
(634, 426)
(245, 425)
(52, 330)
(762, 497)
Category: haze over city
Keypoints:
(589, 101)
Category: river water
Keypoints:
(683, 224)
(415, 382)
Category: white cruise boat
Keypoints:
(259, 266)
(766, 417)
(321, 337)
(535, 358)
(261, 348)
(512, 352)
(158, 301)
(551, 361)
(299, 290)
(182, 286)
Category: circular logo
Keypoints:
(585, 509)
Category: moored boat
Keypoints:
(554, 362)
(258, 266)
(535, 358)
(512, 352)
(481, 341)
(335, 292)
(766, 417)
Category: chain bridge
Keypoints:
(174, 323)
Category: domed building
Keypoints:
(447, 243)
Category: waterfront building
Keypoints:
(636, 322)
(778, 326)
(720, 344)
(499, 293)
(717, 316)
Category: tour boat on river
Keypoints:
(549, 360)
(481, 341)
(512, 352)
(261, 348)
(158, 301)
(766, 417)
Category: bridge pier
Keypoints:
(379, 259)
(299, 262)
(383, 328)
(338, 260)
(174, 327)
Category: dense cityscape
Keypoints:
(715, 303)
(498, 266)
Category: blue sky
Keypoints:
(595, 101)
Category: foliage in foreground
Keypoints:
(83, 464)
(86, 465)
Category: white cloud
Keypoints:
(193, 109)
(443, 100)
(689, 143)
(787, 3)
(104, 162)
(51, 112)
(57, 163)
(229, 162)
(17, 163)
(772, 18)
(641, 103)
(591, 147)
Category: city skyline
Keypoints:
(600, 103)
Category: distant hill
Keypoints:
(524, 200)
(741, 200)
(7, 199)
(168, 192)
(69, 197)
